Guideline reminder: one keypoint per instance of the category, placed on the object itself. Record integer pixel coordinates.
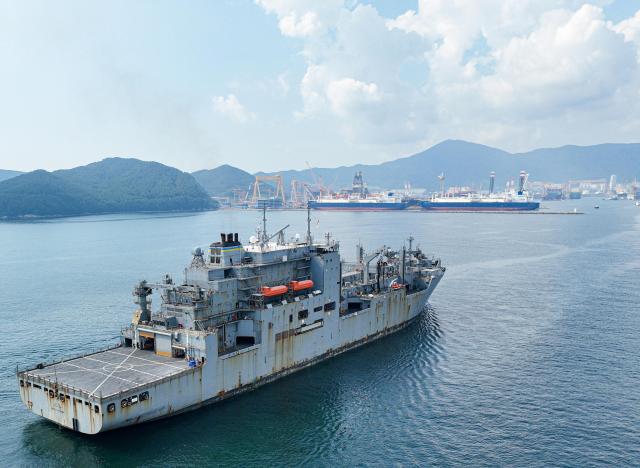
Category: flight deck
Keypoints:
(112, 371)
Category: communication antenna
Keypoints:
(309, 239)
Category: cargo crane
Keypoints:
(300, 194)
(324, 191)
(239, 197)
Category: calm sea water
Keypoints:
(529, 353)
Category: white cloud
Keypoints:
(630, 28)
(515, 73)
(231, 108)
(302, 18)
(573, 59)
(347, 96)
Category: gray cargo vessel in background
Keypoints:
(244, 316)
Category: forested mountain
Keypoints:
(223, 179)
(113, 185)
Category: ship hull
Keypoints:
(383, 206)
(479, 206)
(224, 376)
(273, 377)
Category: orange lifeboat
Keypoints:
(273, 290)
(301, 285)
(396, 286)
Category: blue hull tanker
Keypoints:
(470, 205)
(357, 205)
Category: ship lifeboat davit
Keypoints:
(301, 285)
(273, 290)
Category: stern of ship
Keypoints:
(62, 406)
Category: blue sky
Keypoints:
(270, 84)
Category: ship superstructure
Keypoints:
(245, 315)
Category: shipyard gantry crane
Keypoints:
(279, 189)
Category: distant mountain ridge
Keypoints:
(7, 174)
(465, 163)
(113, 185)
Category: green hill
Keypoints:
(223, 179)
(114, 185)
(41, 193)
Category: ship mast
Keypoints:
(309, 239)
(264, 238)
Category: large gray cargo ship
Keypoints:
(244, 316)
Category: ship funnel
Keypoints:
(492, 181)
(223, 237)
(235, 237)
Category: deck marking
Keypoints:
(86, 369)
(102, 373)
(132, 367)
(151, 360)
(107, 377)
